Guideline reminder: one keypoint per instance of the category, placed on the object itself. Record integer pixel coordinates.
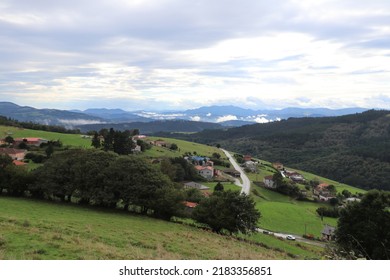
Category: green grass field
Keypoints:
(74, 140)
(41, 230)
(184, 147)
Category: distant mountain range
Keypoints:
(46, 116)
(223, 116)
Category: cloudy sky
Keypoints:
(176, 54)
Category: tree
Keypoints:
(49, 150)
(219, 187)
(96, 141)
(216, 155)
(364, 227)
(9, 140)
(229, 211)
(173, 147)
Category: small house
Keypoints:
(328, 233)
(278, 165)
(269, 182)
(16, 154)
(205, 171)
(232, 172)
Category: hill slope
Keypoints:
(40, 230)
(45, 116)
(354, 149)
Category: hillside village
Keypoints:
(214, 173)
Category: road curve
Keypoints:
(246, 184)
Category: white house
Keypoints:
(269, 182)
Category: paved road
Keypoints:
(297, 237)
(246, 184)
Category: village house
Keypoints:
(323, 193)
(16, 154)
(189, 206)
(195, 186)
(32, 141)
(136, 150)
(160, 143)
(247, 158)
(328, 233)
(252, 166)
(232, 172)
(278, 165)
(138, 137)
(19, 163)
(269, 182)
(205, 171)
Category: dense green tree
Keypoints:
(96, 141)
(229, 210)
(49, 150)
(364, 228)
(173, 147)
(168, 203)
(9, 140)
(122, 142)
(16, 180)
(216, 155)
(219, 187)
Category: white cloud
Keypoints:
(195, 118)
(227, 118)
(261, 120)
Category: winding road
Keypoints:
(246, 184)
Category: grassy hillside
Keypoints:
(75, 140)
(41, 230)
(183, 147)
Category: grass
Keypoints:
(74, 140)
(41, 230)
(226, 186)
(184, 147)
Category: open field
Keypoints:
(41, 230)
(75, 140)
(184, 147)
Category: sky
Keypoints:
(176, 54)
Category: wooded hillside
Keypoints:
(353, 149)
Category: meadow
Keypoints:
(42, 230)
(75, 140)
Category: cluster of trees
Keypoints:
(228, 211)
(117, 141)
(35, 126)
(328, 212)
(363, 229)
(97, 178)
(179, 169)
(286, 187)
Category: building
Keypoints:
(247, 158)
(15, 154)
(232, 172)
(205, 171)
(269, 182)
(32, 141)
(278, 165)
(328, 233)
(195, 186)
